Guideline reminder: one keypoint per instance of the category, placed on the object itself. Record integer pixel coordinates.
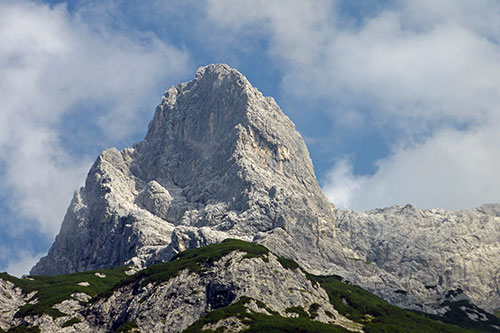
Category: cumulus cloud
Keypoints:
(453, 169)
(21, 263)
(427, 72)
(56, 64)
(297, 29)
(341, 185)
(435, 78)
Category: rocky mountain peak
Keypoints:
(219, 159)
(213, 86)
(219, 121)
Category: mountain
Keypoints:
(430, 251)
(230, 286)
(221, 161)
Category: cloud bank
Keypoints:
(427, 72)
(56, 65)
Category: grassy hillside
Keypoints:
(54, 289)
(259, 322)
(373, 313)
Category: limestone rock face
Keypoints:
(219, 160)
(174, 305)
(11, 299)
(430, 252)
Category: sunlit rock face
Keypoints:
(219, 160)
(430, 251)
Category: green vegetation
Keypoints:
(195, 260)
(71, 322)
(265, 307)
(298, 310)
(288, 263)
(457, 316)
(127, 327)
(214, 252)
(362, 307)
(374, 313)
(313, 310)
(497, 313)
(258, 322)
(54, 289)
(329, 314)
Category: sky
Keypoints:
(397, 101)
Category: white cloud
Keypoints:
(53, 62)
(341, 185)
(297, 29)
(427, 71)
(21, 263)
(407, 76)
(422, 70)
(452, 169)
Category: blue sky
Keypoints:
(398, 101)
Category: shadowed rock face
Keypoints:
(219, 160)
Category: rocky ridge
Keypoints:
(233, 285)
(220, 160)
(430, 252)
(164, 299)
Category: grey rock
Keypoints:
(11, 299)
(220, 160)
(231, 324)
(429, 252)
(174, 305)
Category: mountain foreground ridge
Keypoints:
(231, 286)
(221, 161)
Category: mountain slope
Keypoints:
(430, 251)
(235, 285)
(220, 161)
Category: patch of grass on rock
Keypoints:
(258, 322)
(374, 313)
(71, 322)
(127, 327)
(51, 290)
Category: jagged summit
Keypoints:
(219, 159)
(227, 137)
